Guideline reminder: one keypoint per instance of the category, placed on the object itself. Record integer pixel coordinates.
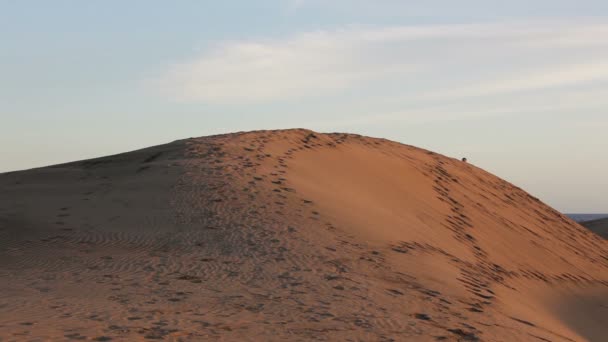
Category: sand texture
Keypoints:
(291, 236)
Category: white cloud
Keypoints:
(409, 63)
(308, 64)
(293, 5)
(556, 76)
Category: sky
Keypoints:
(518, 87)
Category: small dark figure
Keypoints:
(464, 160)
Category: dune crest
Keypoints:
(291, 235)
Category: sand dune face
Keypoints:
(291, 235)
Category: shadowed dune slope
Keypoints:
(291, 235)
(599, 227)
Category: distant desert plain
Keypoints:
(291, 235)
(599, 226)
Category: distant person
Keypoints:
(464, 160)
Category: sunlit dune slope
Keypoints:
(291, 235)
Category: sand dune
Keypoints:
(599, 227)
(291, 235)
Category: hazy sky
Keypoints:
(518, 87)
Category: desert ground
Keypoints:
(291, 235)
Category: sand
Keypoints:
(291, 236)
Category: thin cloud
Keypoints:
(428, 62)
(312, 63)
(294, 5)
(557, 76)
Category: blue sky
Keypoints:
(519, 88)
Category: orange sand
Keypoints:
(291, 235)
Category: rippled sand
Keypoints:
(290, 235)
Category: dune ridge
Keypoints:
(291, 235)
